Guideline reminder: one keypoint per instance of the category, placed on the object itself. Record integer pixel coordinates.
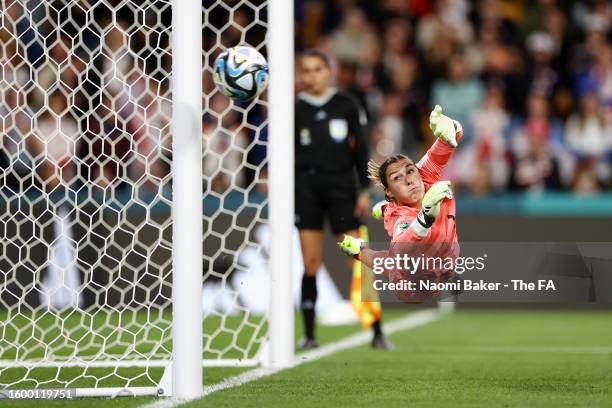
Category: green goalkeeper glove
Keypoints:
(443, 127)
(430, 205)
(351, 245)
(377, 210)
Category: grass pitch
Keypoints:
(466, 359)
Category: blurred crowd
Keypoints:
(85, 98)
(86, 89)
(84, 103)
(531, 82)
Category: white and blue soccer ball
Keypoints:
(241, 73)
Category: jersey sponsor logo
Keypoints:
(305, 139)
(402, 226)
(321, 115)
(338, 129)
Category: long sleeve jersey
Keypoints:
(397, 218)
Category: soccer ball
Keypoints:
(241, 73)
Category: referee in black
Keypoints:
(331, 155)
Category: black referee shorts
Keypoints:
(318, 196)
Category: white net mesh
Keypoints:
(85, 194)
(234, 146)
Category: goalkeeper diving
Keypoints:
(418, 211)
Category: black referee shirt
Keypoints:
(330, 135)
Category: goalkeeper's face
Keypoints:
(404, 183)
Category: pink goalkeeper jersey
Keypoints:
(397, 218)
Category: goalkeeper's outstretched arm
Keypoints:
(418, 229)
(448, 133)
(407, 188)
(358, 249)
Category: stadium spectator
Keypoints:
(480, 54)
(396, 37)
(555, 24)
(589, 137)
(459, 92)
(440, 32)
(56, 136)
(585, 52)
(61, 68)
(533, 147)
(490, 13)
(225, 143)
(533, 15)
(16, 122)
(597, 78)
(592, 12)
(394, 132)
(585, 180)
(355, 41)
(486, 167)
(499, 61)
(542, 75)
(406, 83)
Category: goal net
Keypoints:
(86, 195)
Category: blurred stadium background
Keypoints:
(530, 81)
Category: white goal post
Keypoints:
(186, 198)
(281, 151)
(135, 200)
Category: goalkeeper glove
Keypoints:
(443, 127)
(377, 210)
(430, 206)
(351, 246)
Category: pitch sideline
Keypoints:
(409, 322)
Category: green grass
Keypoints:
(52, 331)
(466, 359)
(105, 334)
(128, 333)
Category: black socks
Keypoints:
(309, 299)
(377, 329)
